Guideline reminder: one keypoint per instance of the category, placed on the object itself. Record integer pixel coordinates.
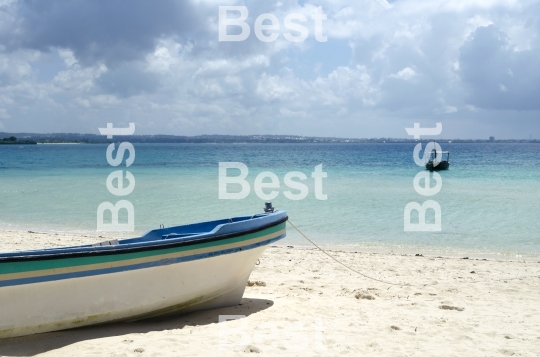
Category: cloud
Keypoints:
(447, 109)
(4, 114)
(405, 74)
(111, 31)
(496, 74)
(74, 65)
(128, 80)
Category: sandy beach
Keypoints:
(301, 302)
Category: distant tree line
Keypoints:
(58, 138)
(13, 140)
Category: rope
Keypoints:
(345, 265)
(398, 284)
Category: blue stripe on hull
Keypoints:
(161, 262)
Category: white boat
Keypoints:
(170, 270)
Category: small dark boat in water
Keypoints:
(434, 164)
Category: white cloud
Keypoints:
(344, 85)
(68, 57)
(4, 114)
(78, 79)
(447, 109)
(405, 74)
(479, 20)
(83, 102)
(293, 114)
(274, 87)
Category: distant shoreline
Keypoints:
(58, 143)
(442, 142)
(25, 142)
(70, 138)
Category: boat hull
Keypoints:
(164, 282)
(443, 165)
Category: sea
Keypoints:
(489, 198)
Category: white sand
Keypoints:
(312, 306)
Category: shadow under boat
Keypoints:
(32, 345)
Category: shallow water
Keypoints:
(489, 197)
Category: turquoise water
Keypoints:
(489, 198)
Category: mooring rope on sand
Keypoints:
(398, 284)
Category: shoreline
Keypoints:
(433, 253)
(11, 240)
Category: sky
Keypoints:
(74, 66)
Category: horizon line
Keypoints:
(428, 137)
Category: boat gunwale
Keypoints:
(179, 242)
